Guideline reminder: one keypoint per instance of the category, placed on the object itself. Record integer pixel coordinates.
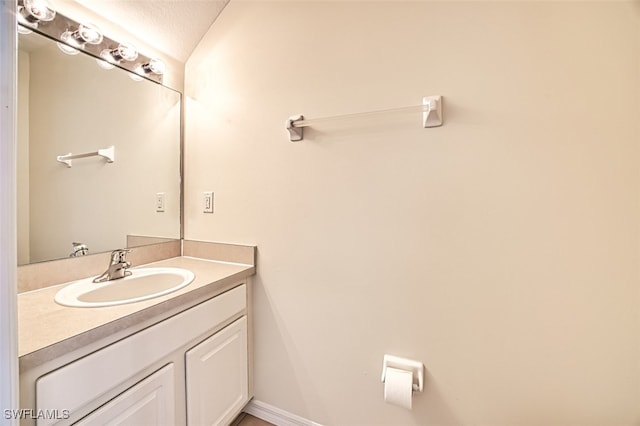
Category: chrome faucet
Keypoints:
(117, 267)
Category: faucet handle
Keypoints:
(119, 255)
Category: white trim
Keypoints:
(8, 245)
(275, 415)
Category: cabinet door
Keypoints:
(217, 376)
(150, 402)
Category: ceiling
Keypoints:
(172, 26)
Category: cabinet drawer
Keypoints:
(101, 375)
(150, 402)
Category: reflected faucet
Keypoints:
(117, 267)
(79, 249)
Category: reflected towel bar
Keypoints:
(108, 153)
(431, 109)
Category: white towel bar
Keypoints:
(431, 109)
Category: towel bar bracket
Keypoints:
(432, 114)
(295, 133)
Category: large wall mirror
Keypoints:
(68, 104)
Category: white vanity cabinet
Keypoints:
(217, 377)
(191, 368)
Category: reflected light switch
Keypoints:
(160, 201)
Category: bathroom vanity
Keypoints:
(182, 358)
(175, 359)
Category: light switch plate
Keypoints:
(160, 201)
(208, 202)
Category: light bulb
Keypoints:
(86, 33)
(69, 39)
(68, 49)
(135, 77)
(89, 33)
(124, 52)
(24, 30)
(155, 66)
(104, 64)
(33, 11)
(138, 70)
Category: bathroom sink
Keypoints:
(142, 284)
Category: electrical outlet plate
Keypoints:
(208, 202)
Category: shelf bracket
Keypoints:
(108, 153)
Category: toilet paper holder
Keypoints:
(416, 367)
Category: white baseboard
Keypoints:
(275, 415)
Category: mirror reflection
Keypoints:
(67, 104)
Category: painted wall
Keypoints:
(501, 249)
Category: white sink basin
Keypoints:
(142, 284)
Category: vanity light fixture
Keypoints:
(154, 66)
(124, 52)
(30, 12)
(73, 37)
(85, 34)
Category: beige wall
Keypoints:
(501, 249)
